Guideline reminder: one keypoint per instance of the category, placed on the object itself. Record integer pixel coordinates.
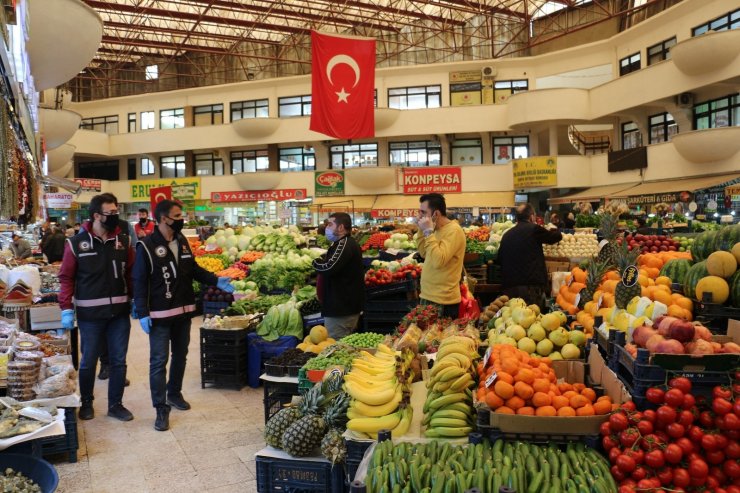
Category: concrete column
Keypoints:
(553, 139)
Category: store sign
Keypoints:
(466, 76)
(733, 192)
(58, 200)
(182, 188)
(657, 198)
(329, 183)
(257, 195)
(89, 184)
(393, 213)
(417, 181)
(535, 172)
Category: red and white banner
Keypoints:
(157, 195)
(89, 184)
(393, 213)
(256, 195)
(342, 86)
(445, 179)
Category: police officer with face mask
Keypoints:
(163, 291)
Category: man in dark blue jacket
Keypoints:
(165, 303)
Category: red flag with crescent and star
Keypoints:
(342, 86)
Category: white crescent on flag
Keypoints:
(347, 60)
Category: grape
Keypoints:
(363, 339)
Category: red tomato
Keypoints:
(706, 419)
(719, 422)
(665, 475)
(721, 406)
(686, 445)
(681, 383)
(662, 435)
(617, 473)
(733, 489)
(655, 459)
(698, 468)
(715, 457)
(651, 442)
(731, 468)
(646, 484)
(735, 407)
(709, 443)
(655, 395)
(732, 421)
(613, 454)
(689, 401)
(686, 418)
(608, 443)
(629, 406)
(681, 477)
(638, 454)
(733, 450)
(712, 484)
(628, 437)
(639, 473)
(675, 430)
(649, 415)
(618, 422)
(695, 434)
(718, 474)
(626, 489)
(626, 464)
(674, 398)
(723, 392)
(722, 441)
(645, 427)
(673, 453)
(666, 414)
(605, 429)
(635, 418)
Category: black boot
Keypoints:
(119, 412)
(162, 423)
(178, 402)
(86, 410)
(104, 372)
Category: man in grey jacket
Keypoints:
(21, 248)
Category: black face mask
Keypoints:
(143, 221)
(111, 222)
(177, 225)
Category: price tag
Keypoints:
(602, 243)
(487, 355)
(336, 371)
(498, 314)
(598, 303)
(569, 281)
(491, 378)
(577, 300)
(211, 247)
(629, 276)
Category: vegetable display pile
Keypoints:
(249, 257)
(210, 263)
(282, 271)
(687, 444)
(281, 320)
(310, 307)
(215, 294)
(261, 304)
(482, 233)
(236, 271)
(474, 246)
(376, 241)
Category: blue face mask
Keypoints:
(331, 235)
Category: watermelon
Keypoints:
(676, 269)
(695, 273)
(726, 238)
(703, 246)
(734, 283)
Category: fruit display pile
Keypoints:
(379, 276)
(363, 339)
(651, 243)
(685, 444)
(332, 357)
(573, 246)
(316, 341)
(482, 233)
(676, 336)
(215, 294)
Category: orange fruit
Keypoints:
(481, 394)
(525, 375)
(526, 410)
(510, 365)
(663, 297)
(602, 407)
(523, 390)
(570, 393)
(546, 361)
(684, 303)
(540, 399)
(578, 387)
(664, 280)
(505, 410)
(506, 377)
(541, 385)
(578, 401)
(587, 410)
(546, 411)
(589, 394)
(515, 403)
(560, 401)
(503, 389)
(604, 398)
(493, 400)
(564, 387)
(566, 411)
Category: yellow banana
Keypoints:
(461, 383)
(441, 365)
(388, 375)
(451, 375)
(374, 398)
(466, 341)
(352, 414)
(380, 357)
(454, 349)
(448, 423)
(403, 426)
(456, 406)
(366, 410)
(374, 425)
(372, 369)
(449, 413)
(463, 361)
(373, 386)
(446, 399)
(442, 386)
(382, 348)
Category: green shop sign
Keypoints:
(329, 183)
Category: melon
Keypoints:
(721, 264)
(703, 245)
(696, 272)
(736, 252)
(676, 269)
(734, 283)
(726, 238)
(715, 285)
(318, 334)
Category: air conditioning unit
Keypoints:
(489, 71)
(685, 100)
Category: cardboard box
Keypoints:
(46, 317)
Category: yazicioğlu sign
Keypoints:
(257, 195)
(182, 188)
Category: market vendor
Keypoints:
(165, 303)
(341, 283)
(145, 226)
(522, 260)
(441, 241)
(21, 248)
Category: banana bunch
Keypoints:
(379, 390)
(448, 411)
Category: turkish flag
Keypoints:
(157, 195)
(342, 86)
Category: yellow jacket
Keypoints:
(443, 253)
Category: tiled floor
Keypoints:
(208, 448)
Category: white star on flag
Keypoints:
(342, 96)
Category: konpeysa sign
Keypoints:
(257, 195)
(446, 179)
(329, 183)
(393, 213)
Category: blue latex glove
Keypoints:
(68, 319)
(224, 284)
(146, 324)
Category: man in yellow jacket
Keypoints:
(441, 242)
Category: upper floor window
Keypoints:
(631, 136)
(629, 64)
(294, 106)
(466, 151)
(208, 164)
(419, 153)
(502, 89)
(249, 161)
(131, 123)
(412, 98)
(172, 167)
(662, 127)
(102, 170)
(722, 112)
(174, 118)
(297, 159)
(661, 51)
(730, 20)
(211, 114)
(147, 120)
(354, 156)
(106, 124)
(147, 166)
(507, 148)
(257, 108)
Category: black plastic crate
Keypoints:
(223, 379)
(214, 307)
(233, 337)
(274, 370)
(298, 476)
(408, 287)
(232, 365)
(591, 441)
(355, 453)
(63, 444)
(605, 345)
(224, 351)
(277, 395)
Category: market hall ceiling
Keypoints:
(204, 42)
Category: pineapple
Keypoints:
(608, 229)
(332, 445)
(284, 418)
(623, 294)
(596, 271)
(305, 434)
